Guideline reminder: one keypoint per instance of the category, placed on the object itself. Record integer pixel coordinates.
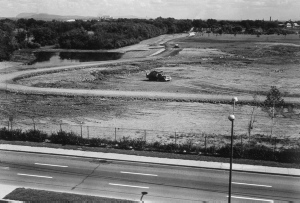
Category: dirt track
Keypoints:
(5, 84)
(163, 114)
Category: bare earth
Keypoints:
(204, 66)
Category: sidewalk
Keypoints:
(173, 162)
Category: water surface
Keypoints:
(60, 58)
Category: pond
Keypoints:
(60, 58)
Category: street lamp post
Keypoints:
(231, 118)
(143, 193)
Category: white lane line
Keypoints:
(255, 199)
(50, 165)
(128, 185)
(251, 184)
(5, 168)
(143, 174)
(22, 174)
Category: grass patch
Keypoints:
(32, 195)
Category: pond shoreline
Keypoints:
(28, 56)
(77, 50)
(143, 49)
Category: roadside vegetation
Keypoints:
(32, 195)
(252, 150)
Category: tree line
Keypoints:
(110, 34)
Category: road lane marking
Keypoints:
(251, 184)
(255, 199)
(22, 174)
(143, 174)
(128, 185)
(50, 165)
(5, 168)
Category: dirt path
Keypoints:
(5, 84)
(6, 81)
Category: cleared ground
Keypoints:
(216, 65)
(241, 65)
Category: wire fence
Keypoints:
(199, 139)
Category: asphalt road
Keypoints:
(127, 180)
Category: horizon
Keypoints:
(115, 17)
(236, 10)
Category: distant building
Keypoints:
(292, 25)
(106, 17)
(71, 20)
(288, 25)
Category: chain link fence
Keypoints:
(199, 139)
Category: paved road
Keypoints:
(127, 180)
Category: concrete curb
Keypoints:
(154, 160)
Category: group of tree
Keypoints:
(110, 34)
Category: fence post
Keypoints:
(145, 135)
(115, 134)
(274, 147)
(175, 138)
(241, 145)
(88, 132)
(205, 145)
(242, 140)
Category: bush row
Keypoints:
(247, 151)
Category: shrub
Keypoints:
(125, 143)
(288, 156)
(274, 97)
(169, 147)
(11, 135)
(139, 144)
(98, 142)
(34, 136)
(64, 138)
(154, 145)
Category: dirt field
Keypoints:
(241, 65)
(103, 115)
(205, 65)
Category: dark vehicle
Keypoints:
(158, 76)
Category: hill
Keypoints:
(45, 16)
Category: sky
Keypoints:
(179, 9)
